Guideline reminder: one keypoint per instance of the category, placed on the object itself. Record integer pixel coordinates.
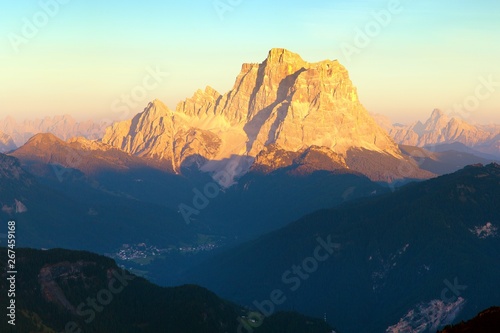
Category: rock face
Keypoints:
(283, 101)
(159, 133)
(64, 127)
(313, 158)
(441, 129)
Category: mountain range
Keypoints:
(14, 134)
(283, 194)
(413, 260)
(284, 104)
(441, 128)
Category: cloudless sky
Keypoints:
(430, 54)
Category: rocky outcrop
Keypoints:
(51, 275)
(295, 104)
(161, 134)
(283, 101)
(304, 161)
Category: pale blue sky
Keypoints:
(90, 53)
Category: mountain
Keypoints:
(82, 215)
(6, 143)
(64, 127)
(461, 148)
(283, 102)
(88, 156)
(488, 321)
(96, 178)
(407, 260)
(441, 128)
(83, 169)
(93, 179)
(61, 290)
(446, 158)
(383, 121)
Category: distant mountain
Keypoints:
(78, 166)
(488, 321)
(408, 260)
(90, 172)
(90, 157)
(461, 148)
(64, 127)
(93, 176)
(283, 102)
(446, 158)
(60, 290)
(80, 214)
(261, 202)
(6, 143)
(443, 129)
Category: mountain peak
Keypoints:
(158, 104)
(156, 108)
(279, 55)
(284, 100)
(43, 138)
(437, 113)
(442, 128)
(437, 121)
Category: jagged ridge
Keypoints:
(284, 101)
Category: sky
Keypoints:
(106, 60)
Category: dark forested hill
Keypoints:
(70, 291)
(488, 321)
(424, 256)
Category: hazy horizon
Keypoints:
(81, 58)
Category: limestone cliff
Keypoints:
(283, 101)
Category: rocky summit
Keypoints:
(284, 101)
